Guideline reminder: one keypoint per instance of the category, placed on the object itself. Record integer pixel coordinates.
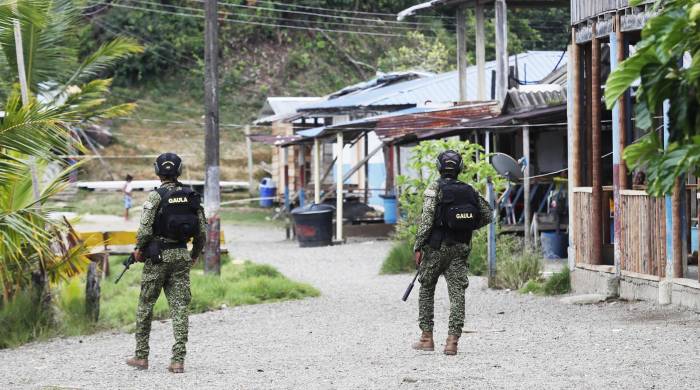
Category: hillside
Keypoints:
(302, 48)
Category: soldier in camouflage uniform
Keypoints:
(450, 260)
(171, 274)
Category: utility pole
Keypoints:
(212, 188)
(461, 21)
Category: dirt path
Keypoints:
(357, 336)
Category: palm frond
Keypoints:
(103, 58)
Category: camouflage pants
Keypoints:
(173, 276)
(450, 261)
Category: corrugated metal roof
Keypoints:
(430, 5)
(279, 108)
(442, 88)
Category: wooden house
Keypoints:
(623, 242)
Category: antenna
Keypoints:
(507, 167)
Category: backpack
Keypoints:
(176, 218)
(457, 214)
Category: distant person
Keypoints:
(452, 211)
(127, 189)
(172, 215)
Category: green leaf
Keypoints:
(626, 74)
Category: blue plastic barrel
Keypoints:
(268, 192)
(554, 245)
(390, 209)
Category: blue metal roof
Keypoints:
(533, 66)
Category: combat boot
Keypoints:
(176, 368)
(141, 364)
(425, 343)
(451, 345)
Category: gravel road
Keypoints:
(357, 335)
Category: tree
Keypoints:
(422, 163)
(420, 53)
(658, 66)
(66, 91)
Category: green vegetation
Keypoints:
(400, 259)
(514, 271)
(239, 284)
(249, 216)
(557, 284)
(657, 64)
(63, 91)
(476, 170)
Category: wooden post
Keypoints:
(677, 228)
(389, 157)
(573, 135)
(501, 26)
(302, 175)
(212, 188)
(622, 119)
(249, 151)
(317, 171)
(480, 52)
(526, 186)
(596, 166)
(339, 188)
(617, 118)
(491, 234)
(575, 103)
(461, 22)
(366, 168)
(287, 200)
(589, 114)
(92, 293)
(670, 243)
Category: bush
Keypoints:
(400, 259)
(516, 270)
(559, 283)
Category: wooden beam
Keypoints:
(617, 118)
(526, 186)
(596, 149)
(302, 175)
(501, 26)
(480, 51)
(249, 153)
(339, 188)
(461, 22)
(622, 120)
(574, 142)
(589, 114)
(317, 171)
(677, 228)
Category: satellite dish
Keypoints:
(507, 167)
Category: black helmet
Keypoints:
(450, 162)
(168, 165)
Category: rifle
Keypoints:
(127, 263)
(410, 287)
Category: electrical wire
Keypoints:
(201, 16)
(279, 19)
(353, 12)
(307, 13)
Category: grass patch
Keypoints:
(557, 284)
(515, 271)
(239, 284)
(400, 259)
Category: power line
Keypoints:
(278, 19)
(200, 16)
(353, 12)
(308, 13)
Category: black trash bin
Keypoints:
(313, 225)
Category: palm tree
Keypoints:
(65, 91)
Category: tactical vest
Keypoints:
(176, 218)
(457, 214)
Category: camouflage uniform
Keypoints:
(450, 261)
(171, 275)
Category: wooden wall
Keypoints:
(643, 233)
